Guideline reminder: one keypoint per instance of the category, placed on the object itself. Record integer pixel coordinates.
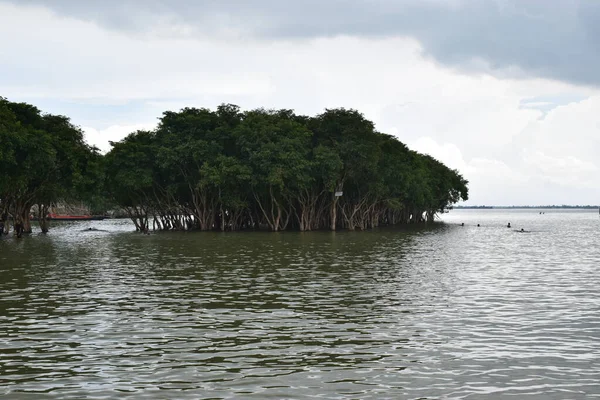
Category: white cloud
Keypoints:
(553, 160)
(448, 153)
(101, 138)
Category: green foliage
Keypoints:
(44, 160)
(226, 169)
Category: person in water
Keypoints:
(463, 224)
(522, 230)
(478, 225)
(508, 226)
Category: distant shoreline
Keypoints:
(586, 207)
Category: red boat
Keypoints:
(58, 217)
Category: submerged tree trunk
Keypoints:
(333, 213)
(430, 216)
(4, 223)
(274, 214)
(43, 218)
(19, 227)
(27, 220)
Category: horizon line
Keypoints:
(531, 206)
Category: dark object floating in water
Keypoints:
(94, 230)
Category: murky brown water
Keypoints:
(446, 312)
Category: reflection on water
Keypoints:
(448, 311)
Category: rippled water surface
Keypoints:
(441, 312)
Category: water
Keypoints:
(443, 312)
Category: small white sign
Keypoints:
(338, 194)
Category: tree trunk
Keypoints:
(4, 224)
(222, 219)
(277, 220)
(18, 226)
(44, 225)
(43, 218)
(18, 219)
(6, 229)
(334, 212)
(27, 221)
(301, 220)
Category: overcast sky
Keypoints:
(505, 91)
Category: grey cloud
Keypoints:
(557, 39)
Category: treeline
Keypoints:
(232, 170)
(43, 159)
(226, 170)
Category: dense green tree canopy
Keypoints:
(225, 170)
(230, 170)
(44, 159)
